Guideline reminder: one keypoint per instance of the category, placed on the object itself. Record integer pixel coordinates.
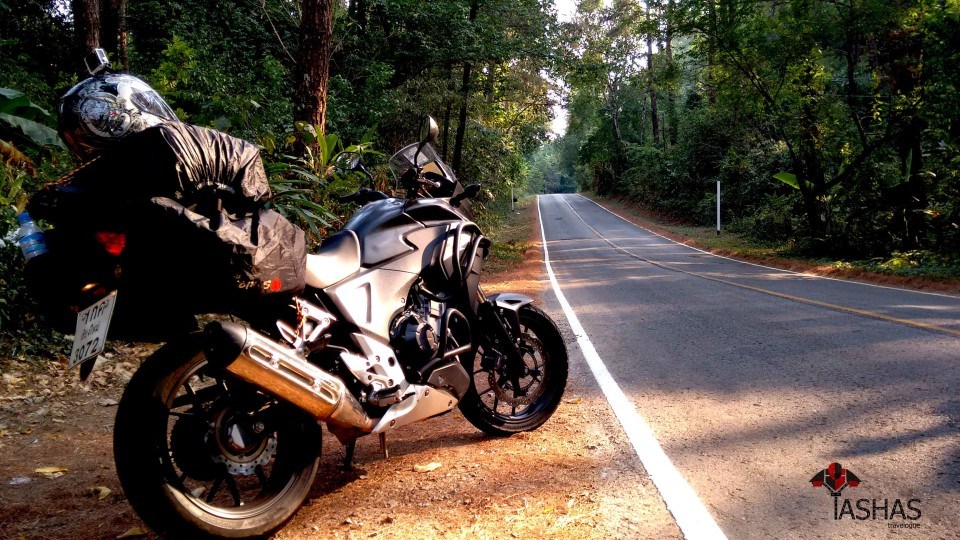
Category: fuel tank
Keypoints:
(383, 226)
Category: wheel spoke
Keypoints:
(487, 391)
(234, 490)
(496, 401)
(216, 485)
(193, 395)
(513, 411)
(185, 400)
(261, 477)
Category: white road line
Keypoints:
(853, 281)
(688, 511)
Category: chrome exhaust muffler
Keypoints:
(281, 372)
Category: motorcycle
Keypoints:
(218, 433)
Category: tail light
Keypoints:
(113, 242)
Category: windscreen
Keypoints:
(403, 160)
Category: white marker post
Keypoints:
(718, 208)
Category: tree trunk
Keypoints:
(448, 112)
(124, 61)
(462, 119)
(464, 98)
(110, 27)
(488, 83)
(313, 63)
(671, 94)
(711, 51)
(357, 10)
(915, 191)
(906, 79)
(86, 24)
(654, 118)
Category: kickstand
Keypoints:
(348, 458)
(383, 446)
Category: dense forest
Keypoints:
(240, 66)
(831, 124)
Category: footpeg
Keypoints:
(385, 397)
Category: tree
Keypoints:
(464, 100)
(86, 23)
(313, 62)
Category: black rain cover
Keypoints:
(178, 161)
(191, 202)
(264, 253)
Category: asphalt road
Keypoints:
(753, 380)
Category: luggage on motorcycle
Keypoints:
(144, 311)
(177, 161)
(263, 252)
(190, 202)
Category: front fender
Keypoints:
(509, 300)
(508, 307)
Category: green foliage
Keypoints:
(229, 65)
(917, 263)
(210, 93)
(305, 188)
(20, 121)
(547, 173)
(831, 126)
(772, 222)
(789, 179)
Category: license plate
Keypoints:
(92, 326)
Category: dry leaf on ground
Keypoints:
(51, 472)
(134, 532)
(428, 467)
(100, 492)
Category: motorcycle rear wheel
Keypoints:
(204, 456)
(494, 403)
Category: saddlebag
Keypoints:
(190, 204)
(259, 254)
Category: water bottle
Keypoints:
(30, 237)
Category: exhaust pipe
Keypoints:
(281, 372)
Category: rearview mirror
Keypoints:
(348, 161)
(429, 130)
(469, 192)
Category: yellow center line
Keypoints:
(827, 305)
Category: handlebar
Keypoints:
(363, 196)
(432, 179)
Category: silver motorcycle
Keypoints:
(218, 434)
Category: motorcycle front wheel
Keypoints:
(201, 455)
(505, 399)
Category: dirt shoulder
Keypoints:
(702, 238)
(576, 477)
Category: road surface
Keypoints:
(752, 380)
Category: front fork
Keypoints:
(499, 316)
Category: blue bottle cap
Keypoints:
(24, 218)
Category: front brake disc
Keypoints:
(502, 385)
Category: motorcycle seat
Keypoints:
(337, 258)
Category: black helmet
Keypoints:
(103, 109)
